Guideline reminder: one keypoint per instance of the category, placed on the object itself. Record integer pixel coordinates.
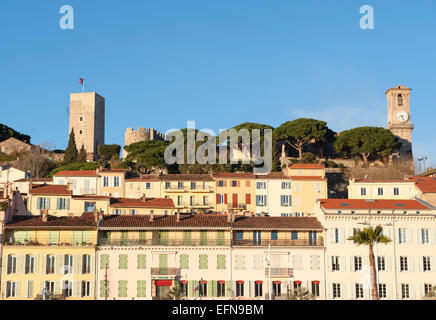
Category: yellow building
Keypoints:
(111, 182)
(144, 186)
(305, 169)
(54, 198)
(50, 257)
(235, 193)
(189, 192)
(127, 206)
(381, 189)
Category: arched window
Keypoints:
(400, 100)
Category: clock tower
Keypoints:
(399, 123)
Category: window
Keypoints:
(116, 181)
(122, 261)
(396, 191)
(49, 286)
(425, 236)
(179, 185)
(167, 185)
(286, 185)
(294, 235)
(104, 261)
(89, 206)
(86, 263)
(105, 181)
(403, 264)
(11, 289)
(62, 204)
(104, 288)
(42, 203)
(12, 264)
(147, 185)
(382, 290)
(277, 288)
(285, 201)
(335, 263)
(193, 185)
(274, 235)
(184, 261)
(202, 292)
(297, 285)
(336, 290)
(315, 288)
(359, 290)
(221, 261)
(234, 183)
(80, 131)
(426, 264)
(380, 191)
(30, 264)
(221, 289)
(239, 288)
(381, 264)
(184, 287)
(122, 288)
(50, 265)
(67, 288)
(336, 235)
(400, 100)
(402, 235)
(404, 291)
(258, 289)
(141, 261)
(141, 288)
(86, 289)
(357, 263)
(203, 261)
(260, 185)
(260, 200)
(132, 212)
(363, 191)
(68, 264)
(220, 183)
(427, 288)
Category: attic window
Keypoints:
(345, 204)
(404, 212)
(418, 212)
(399, 204)
(339, 211)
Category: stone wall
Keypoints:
(142, 134)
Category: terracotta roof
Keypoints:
(273, 175)
(234, 175)
(308, 178)
(50, 189)
(425, 184)
(199, 221)
(139, 203)
(382, 181)
(186, 177)
(277, 223)
(306, 166)
(76, 173)
(85, 221)
(34, 180)
(372, 204)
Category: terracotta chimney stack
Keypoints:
(44, 215)
(152, 215)
(178, 216)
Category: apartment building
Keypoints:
(381, 189)
(157, 206)
(425, 189)
(406, 266)
(235, 193)
(274, 195)
(49, 257)
(144, 257)
(111, 182)
(148, 186)
(83, 181)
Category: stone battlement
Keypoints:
(142, 134)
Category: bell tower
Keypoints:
(399, 122)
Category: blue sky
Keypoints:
(220, 63)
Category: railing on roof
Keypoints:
(164, 242)
(236, 206)
(47, 241)
(280, 272)
(279, 243)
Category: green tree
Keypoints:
(107, 152)
(7, 132)
(71, 152)
(370, 237)
(301, 294)
(146, 155)
(301, 132)
(176, 293)
(82, 154)
(367, 142)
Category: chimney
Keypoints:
(143, 197)
(69, 186)
(44, 215)
(178, 216)
(230, 217)
(151, 215)
(95, 212)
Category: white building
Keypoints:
(84, 181)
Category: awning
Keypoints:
(315, 282)
(221, 282)
(203, 281)
(297, 282)
(184, 281)
(163, 283)
(277, 282)
(240, 282)
(258, 282)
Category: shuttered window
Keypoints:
(203, 238)
(141, 261)
(163, 264)
(221, 261)
(122, 261)
(104, 261)
(184, 261)
(104, 288)
(187, 238)
(203, 261)
(220, 237)
(122, 288)
(141, 288)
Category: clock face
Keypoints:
(402, 116)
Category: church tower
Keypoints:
(399, 122)
(87, 119)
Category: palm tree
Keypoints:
(371, 236)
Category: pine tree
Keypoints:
(71, 152)
(82, 154)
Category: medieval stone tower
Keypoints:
(142, 134)
(87, 119)
(399, 122)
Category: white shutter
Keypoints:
(57, 289)
(20, 263)
(329, 263)
(79, 263)
(343, 290)
(41, 287)
(412, 293)
(341, 235)
(18, 289)
(30, 289)
(398, 291)
(329, 291)
(4, 289)
(332, 235)
(92, 262)
(5, 264)
(76, 288)
(388, 264)
(26, 289)
(389, 293)
(91, 289)
(366, 292)
(409, 236)
(422, 290)
(36, 264)
(350, 234)
(432, 236)
(433, 263)
(353, 291)
(59, 262)
(411, 264)
(365, 262)
(342, 264)
(44, 265)
(352, 263)
(251, 288)
(419, 236)
(421, 265)
(387, 232)
(398, 264)
(76, 269)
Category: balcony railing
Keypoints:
(162, 242)
(201, 189)
(88, 191)
(279, 243)
(199, 204)
(279, 272)
(176, 189)
(236, 206)
(46, 241)
(165, 271)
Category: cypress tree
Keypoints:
(71, 152)
(82, 154)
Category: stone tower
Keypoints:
(142, 134)
(399, 122)
(87, 119)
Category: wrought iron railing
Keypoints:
(47, 241)
(279, 243)
(164, 242)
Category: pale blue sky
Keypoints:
(220, 63)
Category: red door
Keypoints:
(235, 200)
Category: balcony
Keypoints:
(201, 189)
(165, 271)
(279, 272)
(279, 243)
(88, 191)
(176, 189)
(46, 241)
(162, 242)
(199, 205)
(237, 206)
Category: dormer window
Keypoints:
(400, 100)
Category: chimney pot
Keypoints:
(152, 215)
(178, 217)
(44, 215)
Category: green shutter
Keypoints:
(122, 261)
(184, 261)
(221, 261)
(163, 237)
(54, 237)
(124, 237)
(38, 203)
(214, 288)
(197, 287)
(77, 237)
(87, 236)
(220, 237)
(58, 203)
(203, 238)
(187, 241)
(103, 288)
(203, 261)
(122, 288)
(67, 204)
(142, 236)
(163, 264)
(48, 204)
(141, 259)
(141, 289)
(228, 288)
(104, 261)
(190, 288)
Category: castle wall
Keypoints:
(142, 134)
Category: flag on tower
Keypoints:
(81, 80)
